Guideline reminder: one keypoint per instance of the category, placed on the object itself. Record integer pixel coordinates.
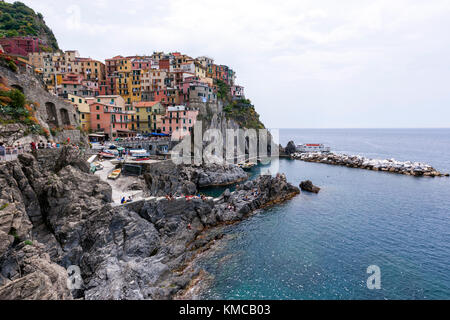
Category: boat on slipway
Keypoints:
(312, 147)
(115, 174)
(107, 155)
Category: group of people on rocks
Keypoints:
(46, 145)
(124, 201)
(188, 198)
(43, 145)
(11, 150)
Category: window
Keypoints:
(82, 116)
(98, 125)
(98, 117)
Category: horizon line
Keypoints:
(363, 128)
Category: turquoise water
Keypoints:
(319, 246)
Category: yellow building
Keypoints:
(147, 113)
(82, 107)
(135, 86)
(124, 80)
(200, 71)
(92, 69)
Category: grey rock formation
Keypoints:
(45, 206)
(59, 215)
(166, 177)
(309, 187)
(29, 274)
(290, 148)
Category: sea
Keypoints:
(320, 246)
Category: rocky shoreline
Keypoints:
(409, 168)
(165, 177)
(55, 214)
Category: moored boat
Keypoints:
(98, 165)
(312, 147)
(247, 166)
(115, 174)
(106, 155)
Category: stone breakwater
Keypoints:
(417, 169)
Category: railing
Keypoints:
(10, 153)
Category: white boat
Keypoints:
(98, 165)
(115, 174)
(312, 147)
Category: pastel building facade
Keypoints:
(147, 115)
(178, 121)
(110, 119)
(237, 92)
(82, 107)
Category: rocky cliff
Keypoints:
(166, 177)
(55, 214)
(37, 115)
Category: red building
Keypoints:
(159, 96)
(164, 64)
(20, 46)
(107, 87)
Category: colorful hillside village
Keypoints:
(126, 96)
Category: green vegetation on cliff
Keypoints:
(16, 19)
(244, 113)
(14, 108)
(241, 111)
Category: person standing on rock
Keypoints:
(2, 150)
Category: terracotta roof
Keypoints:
(71, 82)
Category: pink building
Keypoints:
(109, 119)
(141, 64)
(178, 121)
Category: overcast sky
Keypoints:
(304, 64)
